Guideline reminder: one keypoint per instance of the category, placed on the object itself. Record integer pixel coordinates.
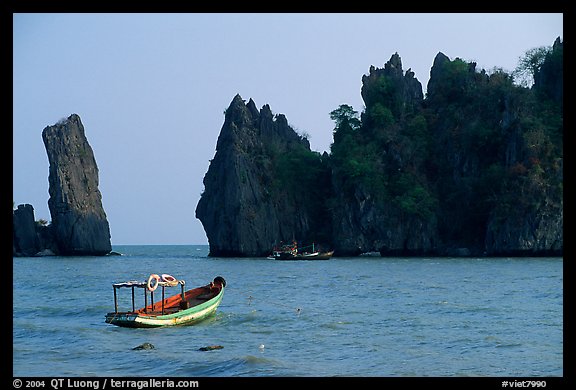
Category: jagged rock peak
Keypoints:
(238, 112)
(440, 59)
(243, 121)
(394, 64)
(251, 106)
(79, 222)
(445, 72)
(438, 65)
(399, 86)
(237, 104)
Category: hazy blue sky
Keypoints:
(151, 90)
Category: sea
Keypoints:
(343, 317)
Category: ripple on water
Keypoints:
(247, 365)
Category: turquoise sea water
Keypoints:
(374, 317)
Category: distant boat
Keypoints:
(185, 308)
(292, 252)
(317, 255)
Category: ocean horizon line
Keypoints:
(160, 245)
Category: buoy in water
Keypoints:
(210, 348)
(144, 346)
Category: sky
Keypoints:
(151, 90)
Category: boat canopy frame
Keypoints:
(144, 285)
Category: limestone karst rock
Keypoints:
(245, 209)
(79, 223)
(474, 168)
(25, 240)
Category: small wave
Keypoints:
(237, 318)
(288, 276)
(499, 343)
(508, 345)
(251, 359)
(336, 324)
(247, 365)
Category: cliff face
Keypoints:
(497, 158)
(529, 216)
(466, 139)
(372, 213)
(79, 223)
(245, 209)
(362, 224)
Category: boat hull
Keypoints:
(312, 256)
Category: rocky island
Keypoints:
(473, 168)
(79, 224)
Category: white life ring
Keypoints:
(151, 287)
(170, 280)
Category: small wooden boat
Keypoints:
(317, 255)
(303, 256)
(185, 308)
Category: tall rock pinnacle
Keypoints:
(78, 218)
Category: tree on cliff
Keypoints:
(529, 64)
(346, 119)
